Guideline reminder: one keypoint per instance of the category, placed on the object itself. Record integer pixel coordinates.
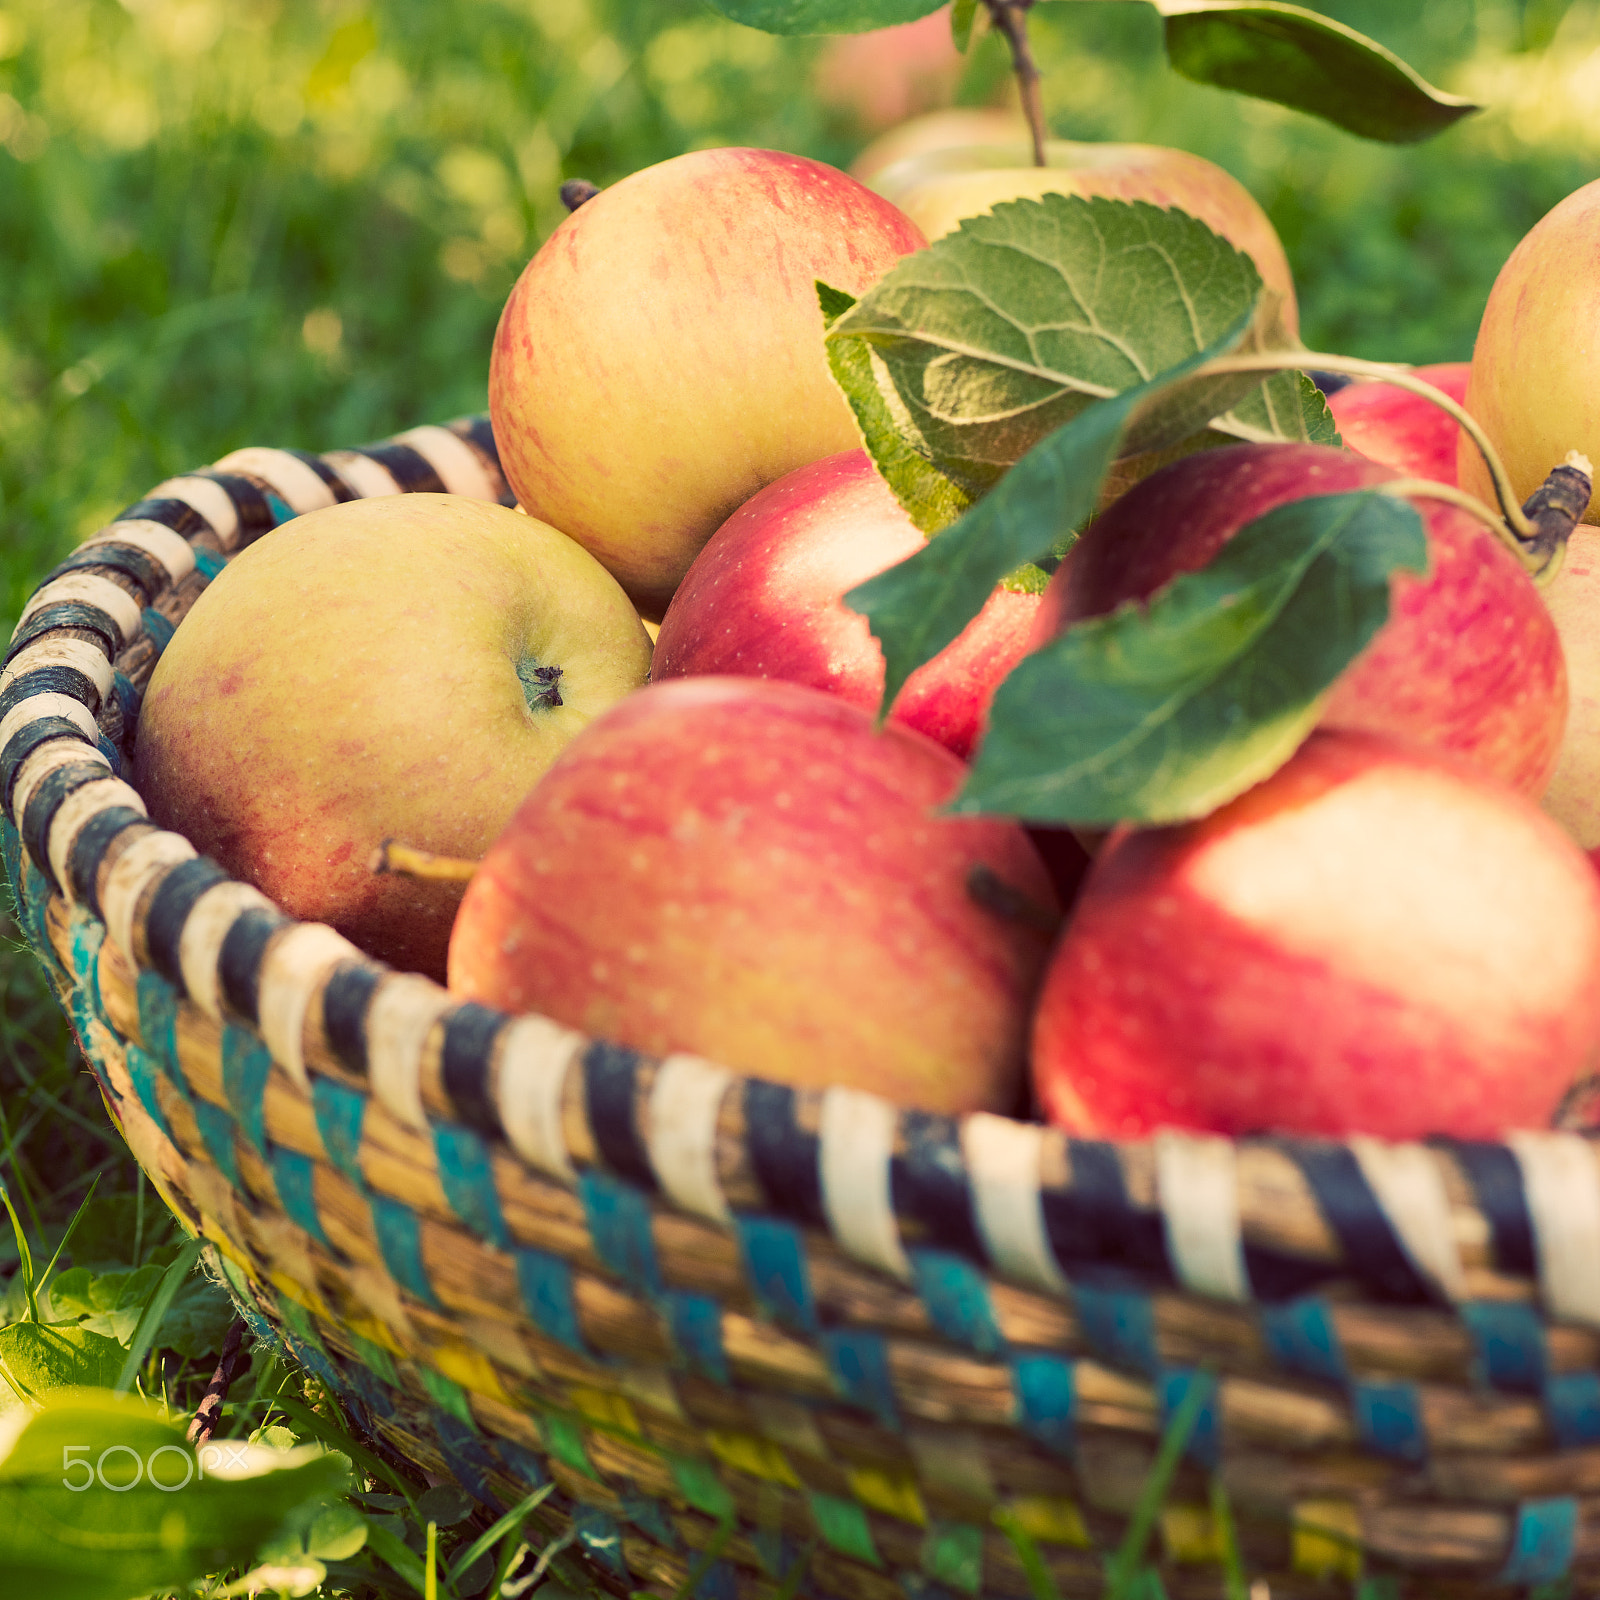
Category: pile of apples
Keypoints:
(706, 841)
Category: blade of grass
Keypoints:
(1040, 1584)
(430, 1572)
(511, 1522)
(44, 1277)
(707, 1559)
(795, 1576)
(398, 1554)
(24, 1254)
(17, 1173)
(330, 1433)
(155, 1308)
(1236, 1585)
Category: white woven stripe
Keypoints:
(1003, 1169)
(685, 1100)
(79, 808)
(143, 860)
(210, 499)
(857, 1145)
(55, 753)
(535, 1055)
(296, 961)
(1410, 1188)
(1562, 1186)
(156, 539)
(1198, 1182)
(369, 479)
(38, 706)
(200, 942)
(460, 467)
(78, 654)
(400, 1017)
(290, 478)
(89, 589)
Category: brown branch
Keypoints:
(230, 1364)
(1011, 18)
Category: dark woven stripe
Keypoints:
(130, 697)
(336, 486)
(89, 850)
(239, 962)
(68, 614)
(481, 432)
(50, 680)
(249, 500)
(169, 910)
(928, 1184)
(610, 1082)
(407, 467)
(784, 1156)
(1372, 1250)
(1496, 1181)
(25, 741)
(128, 559)
(1094, 1228)
(345, 999)
(1276, 1277)
(469, 1040)
(170, 512)
(43, 804)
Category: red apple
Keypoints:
(1375, 940)
(745, 870)
(1573, 797)
(1469, 661)
(661, 357)
(887, 74)
(1402, 429)
(764, 600)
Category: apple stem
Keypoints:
(408, 861)
(577, 192)
(986, 888)
(1011, 18)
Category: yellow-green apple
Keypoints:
(1468, 662)
(1401, 429)
(661, 357)
(400, 667)
(940, 130)
(886, 74)
(1342, 949)
(764, 599)
(941, 188)
(1573, 797)
(743, 869)
(1535, 384)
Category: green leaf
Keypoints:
(962, 16)
(446, 1505)
(999, 333)
(1288, 406)
(920, 605)
(1163, 712)
(42, 1358)
(1309, 63)
(106, 1302)
(160, 1298)
(101, 1499)
(824, 16)
(198, 1319)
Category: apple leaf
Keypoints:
(920, 605)
(1306, 62)
(37, 1359)
(963, 13)
(824, 16)
(1162, 712)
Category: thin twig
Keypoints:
(230, 1364)
(407, 861)
(1011, 18)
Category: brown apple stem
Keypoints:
(577, 192)
(407, 861)
(1555, 508)
(1011, 18)
(986, 888)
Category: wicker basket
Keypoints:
(836, 1346)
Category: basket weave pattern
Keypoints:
(785, 1341)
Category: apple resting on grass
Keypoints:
(1468, 663)
(1401, 429)
(661, 357)
(1375, 940)
(764, 600)
(404, 666)
(745, 870)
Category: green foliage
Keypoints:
(824, 16)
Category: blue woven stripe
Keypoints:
(36, 911)
(1047, 1399)
(208, 562)
(645, 1513)
(399, 1238)
(719, 1583)
(546, 1285)
(600, 1534)
(144, 1070)
(957, 1300)
(1120, 1326)
(371, 1390)
(1302, 1338)
(521, 1463)
(246, 1066)
(1389, 1416)
(11, 854)
(775, 1263)
(467, 1178)
(1572, 1404)
(88, 936)
(340, 1112)
(216, 1130)
(158, 628)
(1510, 1344)
(1205, 1437)
(158, 1024)
(466, 1457)
(292, 1173)
(696, 1324)
(859, 1361)
(1542, 1542)
(619, 1226)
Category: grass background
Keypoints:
(294, 222)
